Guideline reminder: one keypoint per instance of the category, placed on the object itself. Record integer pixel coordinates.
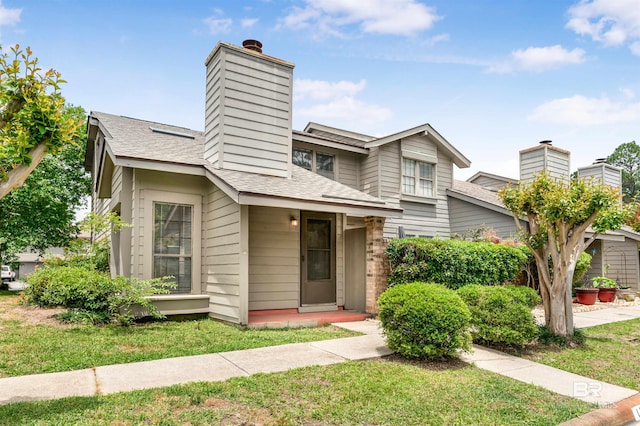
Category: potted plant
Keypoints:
(607, 288)
(586, 294)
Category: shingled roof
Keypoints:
(150, 142)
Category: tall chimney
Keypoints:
(248, 110)
(544, 157)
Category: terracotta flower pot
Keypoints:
(607, 295)
(587, 296)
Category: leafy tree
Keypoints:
(41, 213)
(32, 118)
(627, 157)
(559, 215)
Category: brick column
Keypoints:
(376, 262)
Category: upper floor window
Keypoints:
(317, 162)
(417, 178)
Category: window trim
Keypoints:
(418, 159)
(314, 160)
(150, 198)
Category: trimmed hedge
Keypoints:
(424, 320)
(453, 263)
(501, 315)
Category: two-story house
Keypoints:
(251, 216)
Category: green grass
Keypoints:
(44, 349)
(610, 354)
(380, 392)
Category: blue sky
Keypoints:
(492, 76)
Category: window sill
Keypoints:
(418, 199)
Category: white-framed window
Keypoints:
(318, 162)
(171, 243)
(418, 178)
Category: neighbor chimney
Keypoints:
(603, 172)
(248, 110)
(544, 157)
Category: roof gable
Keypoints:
(426, 130)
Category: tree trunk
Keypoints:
(559, 312)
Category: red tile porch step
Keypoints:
(280, 318)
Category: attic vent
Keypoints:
(172, 133)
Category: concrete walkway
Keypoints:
(222, 366)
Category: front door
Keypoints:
(318, 258)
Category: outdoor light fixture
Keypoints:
(294, 221)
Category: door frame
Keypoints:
(331, 283)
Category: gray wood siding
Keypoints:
(466, 217)
(274, 259)
(622, 258)
(556, 163)
(369, 173)
(222, 255)
(426, 218)
(212, 112)
(248, 113)
(116, 183)
(487, 182)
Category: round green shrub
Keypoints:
(501, 315)
(423, 320)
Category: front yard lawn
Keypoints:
(31, 346)
(610, 354)
(388, 391)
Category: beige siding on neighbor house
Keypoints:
(489, 183)
(224, 242)
(274, 259)
(427, 217)
(596, 269)
(467, 217)
(248, 112)
(622, 258)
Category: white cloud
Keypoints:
(331, 17)
(582, 111)
(347, 112)
(539, 59)
(217, 23)
(9, 16)
(323, 90)
(248, 22)
(335, 103)
(611, 22)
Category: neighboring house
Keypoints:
(250, 215)
(475, 204)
